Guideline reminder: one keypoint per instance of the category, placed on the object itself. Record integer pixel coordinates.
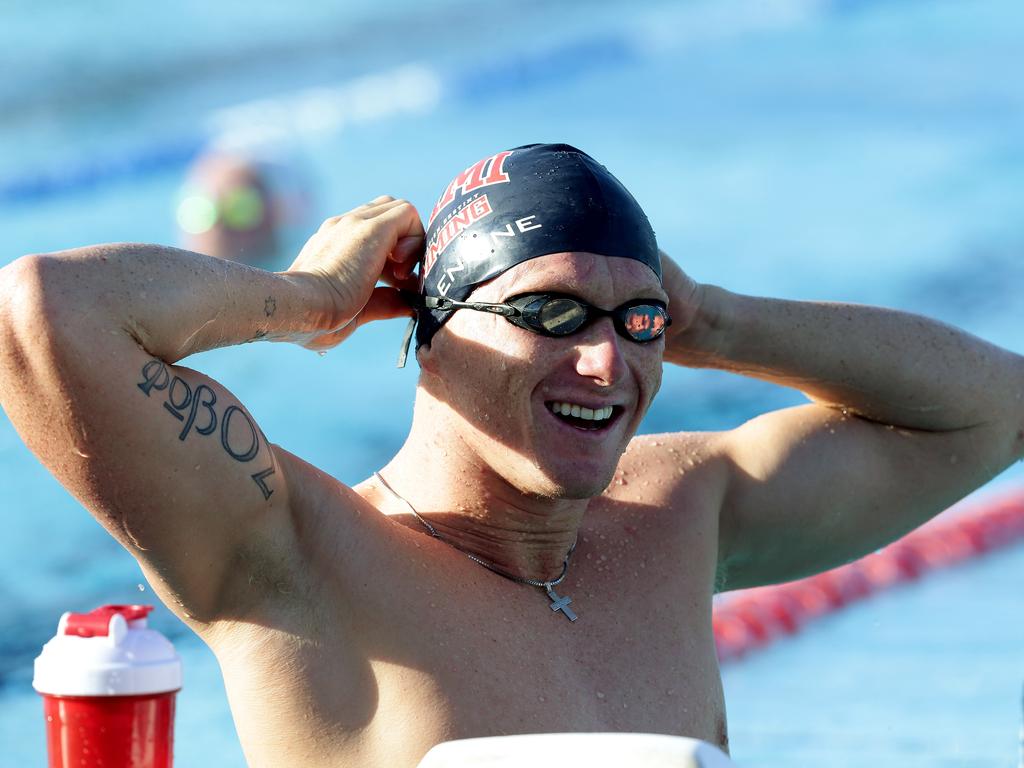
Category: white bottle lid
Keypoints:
(107, 652)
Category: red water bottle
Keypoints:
(108, 685)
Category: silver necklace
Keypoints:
(558, 602)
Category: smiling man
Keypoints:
(524, 564)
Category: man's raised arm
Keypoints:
(908, 416)
(166, 458)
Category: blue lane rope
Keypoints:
(93, 172)
(520, 72)
(576, 58)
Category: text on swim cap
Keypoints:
(469, 215)
(490, 170)
(523, 225)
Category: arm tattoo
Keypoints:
(194, 408)
(269, 308)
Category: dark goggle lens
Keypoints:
(561, 316)
(645, 322)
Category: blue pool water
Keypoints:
(859, 151)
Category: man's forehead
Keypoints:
(576, 270)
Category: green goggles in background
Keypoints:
(241, 209)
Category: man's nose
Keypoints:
(600, 354)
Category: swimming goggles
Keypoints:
(559, 314)
(240, 209)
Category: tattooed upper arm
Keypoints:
(167, 459)
(196, 410)
(220, 487)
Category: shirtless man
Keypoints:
(347, 634)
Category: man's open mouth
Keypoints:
(582, 417)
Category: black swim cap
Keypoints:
(519, 204)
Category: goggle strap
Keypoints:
(403, 352)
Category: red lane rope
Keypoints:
(753, 618)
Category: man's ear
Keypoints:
(426, 359)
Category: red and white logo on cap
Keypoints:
(483, 173)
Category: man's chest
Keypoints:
(430, 646)
(488, 656)
(632, 676)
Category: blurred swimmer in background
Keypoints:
(240, 208)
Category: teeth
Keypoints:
(582, 412)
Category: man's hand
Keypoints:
(685, 297)
(377, 242)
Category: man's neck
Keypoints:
(476, 510)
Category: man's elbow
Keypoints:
(1017, 448)
(26, 309)
(1014, 415)
(22, 284)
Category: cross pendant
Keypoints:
(561, 604)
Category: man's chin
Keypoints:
(578, 483)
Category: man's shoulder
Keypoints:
(671, 455)
(668, 472)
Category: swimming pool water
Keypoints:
(854, 151)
